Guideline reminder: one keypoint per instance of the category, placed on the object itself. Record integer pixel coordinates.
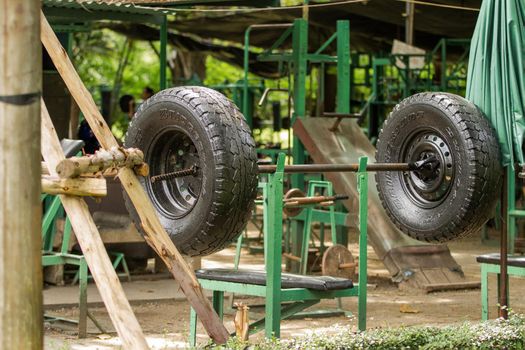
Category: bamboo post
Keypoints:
(155, 234)
(20, 213)
(93, 248)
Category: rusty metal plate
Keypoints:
(338, 261)
(293, 193)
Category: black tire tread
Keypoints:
(483, 165)
(236, 181)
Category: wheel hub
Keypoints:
(176, 197)
(429, 184)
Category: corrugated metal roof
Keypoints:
(117, 6)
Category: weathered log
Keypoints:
(155, 234)
(86, 187)
(140, 170)
(21, 325)
(102, 160)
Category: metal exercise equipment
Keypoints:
(63, 257)
(491, 263)
(338, 261)
(277, 288)
(387, 241)
(53, 210)
(302, 290)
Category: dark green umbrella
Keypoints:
(496, 74)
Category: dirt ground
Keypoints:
(166, 322)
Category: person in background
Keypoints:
(91, 144)
(147, 92)
(127, 105)
(121, 123)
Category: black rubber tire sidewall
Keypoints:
(477, 172)
(225, 201)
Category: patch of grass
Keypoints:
(493, 334)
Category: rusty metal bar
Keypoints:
(503, 276)
(325, 168)
(175, 174)
(312, 168)
(296, 201)
(341, 115)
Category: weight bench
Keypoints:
(490, 264)
(285, 294)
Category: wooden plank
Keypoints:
(21, 325)
(155, 234)
(87, 187)
(88, 237)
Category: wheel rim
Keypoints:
(428, 186)
(174, 150)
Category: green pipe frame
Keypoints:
(273, 293)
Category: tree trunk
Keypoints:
(20, 212)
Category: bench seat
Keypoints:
(494, 258)
(319, 283)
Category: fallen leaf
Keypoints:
(408, 309)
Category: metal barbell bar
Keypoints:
(312, 168)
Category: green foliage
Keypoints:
(97, 54)
(494, 334)
(219, 72)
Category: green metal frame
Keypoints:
(447, 77)
(72, 17)
(274, 295)
(119, 259)
(49, 257)
(53, 211)
(329, 191)
(487, 268)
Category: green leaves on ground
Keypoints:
(493, 334)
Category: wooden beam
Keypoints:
(107, 173)
(85, 187)
(21, 325)
(155, 234)
(102, 160)
(88, 237)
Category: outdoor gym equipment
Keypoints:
(457, 193)
(287, 294)
(187, 128)
(338, 261)
(438, 169)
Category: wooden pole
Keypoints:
(409, 23)
(155, 234)
(88, 237)
(85, 187)
(20, 213)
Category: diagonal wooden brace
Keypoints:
(155, 234)
(93, 248)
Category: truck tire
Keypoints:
(195, 126)
(454, 195)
